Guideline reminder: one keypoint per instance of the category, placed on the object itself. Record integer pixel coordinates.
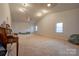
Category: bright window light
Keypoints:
(36, 28)
(59, 27)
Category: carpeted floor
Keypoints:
(34, 45)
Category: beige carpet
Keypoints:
(34, 45)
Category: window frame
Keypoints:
(61, 30)
(36, 28)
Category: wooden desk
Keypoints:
(8, 39)
(11, 40)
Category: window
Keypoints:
(59, 27)
(36, 28)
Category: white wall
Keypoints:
(5, 13)
(22, 27)
(70, 18)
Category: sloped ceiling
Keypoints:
(30, 11)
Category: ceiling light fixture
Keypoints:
(48, 5)
(44, 11)
(21, 9)
(39, 14)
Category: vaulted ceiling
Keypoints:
(21, 12)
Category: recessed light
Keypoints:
(39, 14)
(49, 5)
(44, 11)
(21, 9)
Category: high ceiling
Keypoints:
(22, 12)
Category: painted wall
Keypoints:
(70, 18)
(5, 13)
(22, 27)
